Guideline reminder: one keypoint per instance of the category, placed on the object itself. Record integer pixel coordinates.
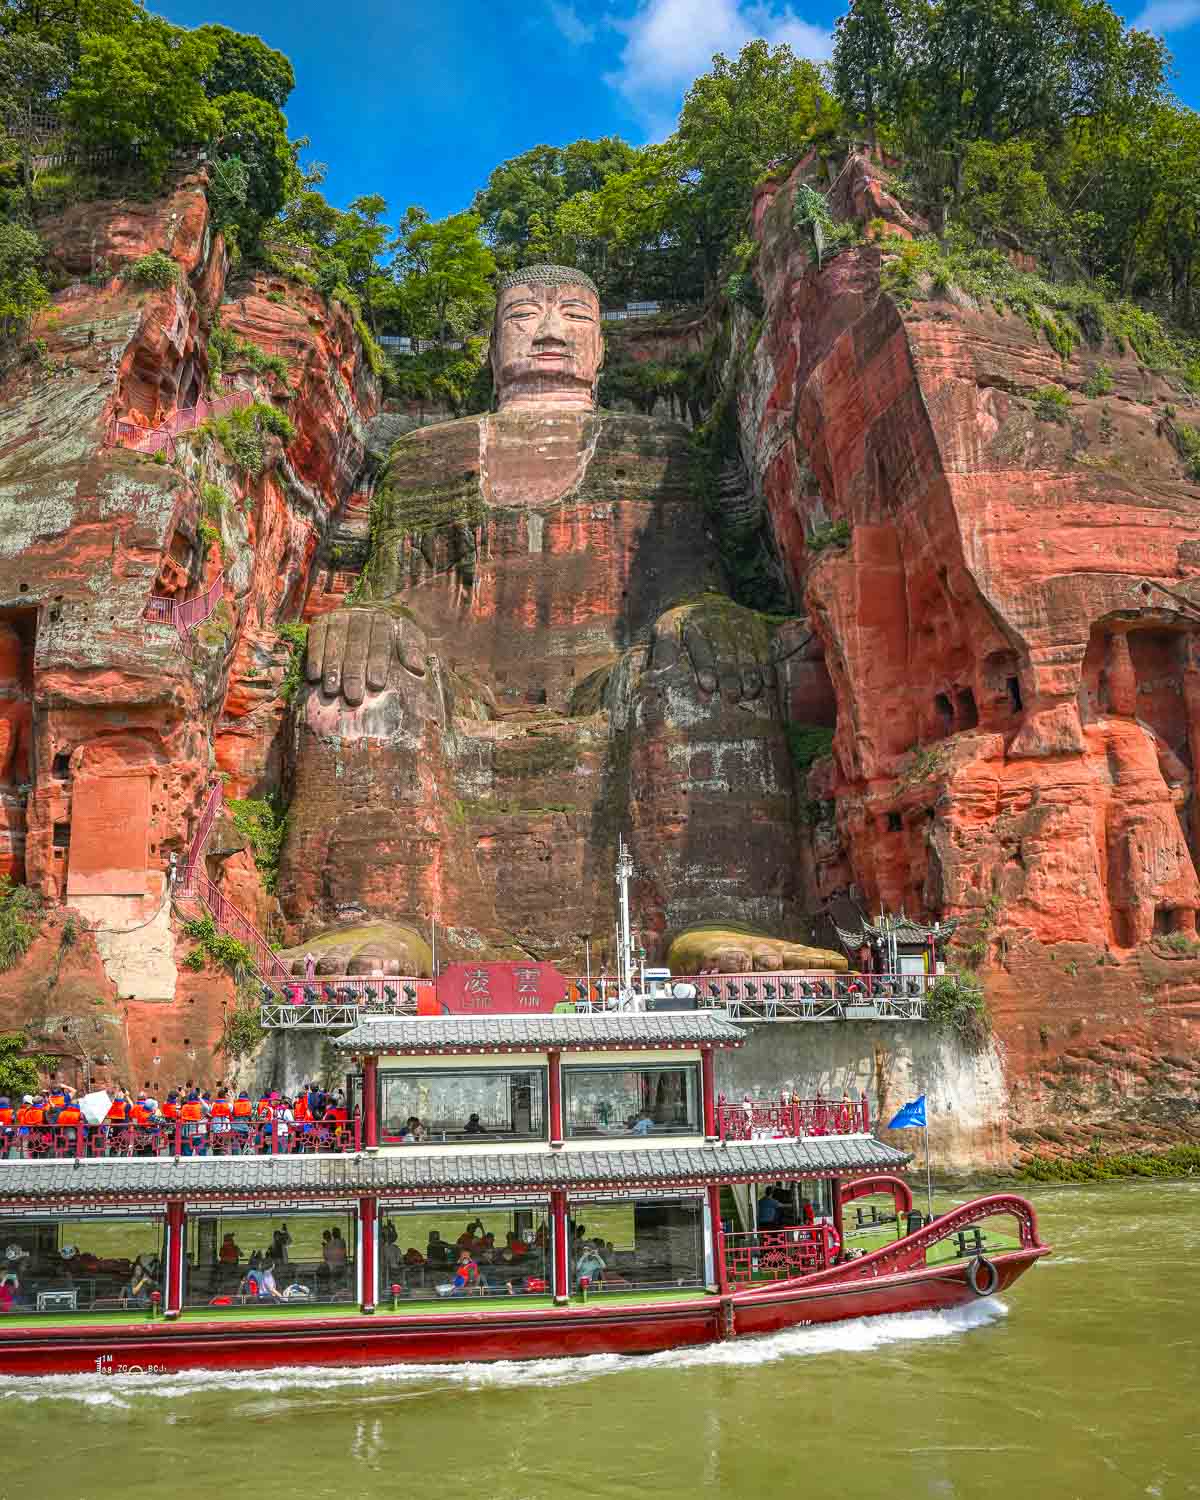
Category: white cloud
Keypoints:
(1168, 15)
(576, 31)
(668, 43)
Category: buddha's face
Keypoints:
(547, 345)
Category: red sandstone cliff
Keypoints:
(114, 727)
(1011, 633)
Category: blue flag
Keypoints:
(911, 1114)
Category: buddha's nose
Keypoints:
(551, 330)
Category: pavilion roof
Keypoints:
(904, 929)
(628, 1031)
(409, 1172)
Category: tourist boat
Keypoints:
(606, 1198)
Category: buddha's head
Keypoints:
(547, 347)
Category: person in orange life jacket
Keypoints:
(118, 1110)
(220, 1121)
(242, 1111)
(170, 1109)
(7, 1114)
(141, 1113)
(316, 1102)
(466, 1274)
(192, 1121)
(69, 1114)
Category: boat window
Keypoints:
(248, 1259)
(465, 1105)
(632, 1101)
(419, 1251)
(91, 1264)
(642, 1243)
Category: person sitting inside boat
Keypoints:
(474, 1127)
(230, 1252)
(466, 1274)
(437, 1252)
(140, 1284)
(472, 1236)
(260, 1283)
(643, 1123)
(590, 1266)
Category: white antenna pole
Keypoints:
(625, 960)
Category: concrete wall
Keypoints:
(967, 1099)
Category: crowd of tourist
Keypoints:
(219, 1121)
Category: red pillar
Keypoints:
(714, 1214)
(175, 1243)
(556, 1113)
(367, 1208)
(558, 1217)
(709, 1089)
(371, 1101)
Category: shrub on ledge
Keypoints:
(956, 1002)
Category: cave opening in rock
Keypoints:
(968, 714)
(945, 711)
(60, 767)
(894, 822)
(1013, 686)
(62, 840)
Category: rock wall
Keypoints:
(888, 1063)
(112, 727)
(1009, 622)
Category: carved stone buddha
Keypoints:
(453, 752)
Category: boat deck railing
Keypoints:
(790, 1118)
(767, 1255)
(84, 1142)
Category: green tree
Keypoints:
(244, 64)
(21, 294)
(19, 1075)
(254, 133)
(746, 114)
(32, 75)
(143, 89)
(64, 23)
(867, 74)
(443, 267)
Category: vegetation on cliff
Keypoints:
(1099, 1166)
(18, 904)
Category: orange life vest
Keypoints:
(221, 1110)
(57, 1101)
(300, 1108)
(170, 1111)
(69, 1115)
(141, 1115)
(192, 1110)
(34, 1114)
(242, 1108)
(118, 1110)
(264, 1109)
(6, 1116)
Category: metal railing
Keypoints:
(186, 614)
(249, 1137)
(161, 439)
(791, 1118)
(778, 1254)
(209, 814)
(785, 996)
(228, 920)
(635, 310)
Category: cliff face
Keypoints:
(114, 726)
(1009, 613)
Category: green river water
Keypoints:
(1083, 1383)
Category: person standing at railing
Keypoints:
(191, 1117)
(243, 1110)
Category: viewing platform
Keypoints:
(331, 1002)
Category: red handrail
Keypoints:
(266, 962)
(186, 614)
(778, 1254)
(84, 1142)
(208, 816)
(791, 1118)
(161, 438)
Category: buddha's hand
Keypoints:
(352, 652)
(727, 648)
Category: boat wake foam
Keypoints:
(853, 1337)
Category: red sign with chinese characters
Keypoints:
(503, 989)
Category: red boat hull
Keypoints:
(488, 1334)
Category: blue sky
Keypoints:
(419, 101)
